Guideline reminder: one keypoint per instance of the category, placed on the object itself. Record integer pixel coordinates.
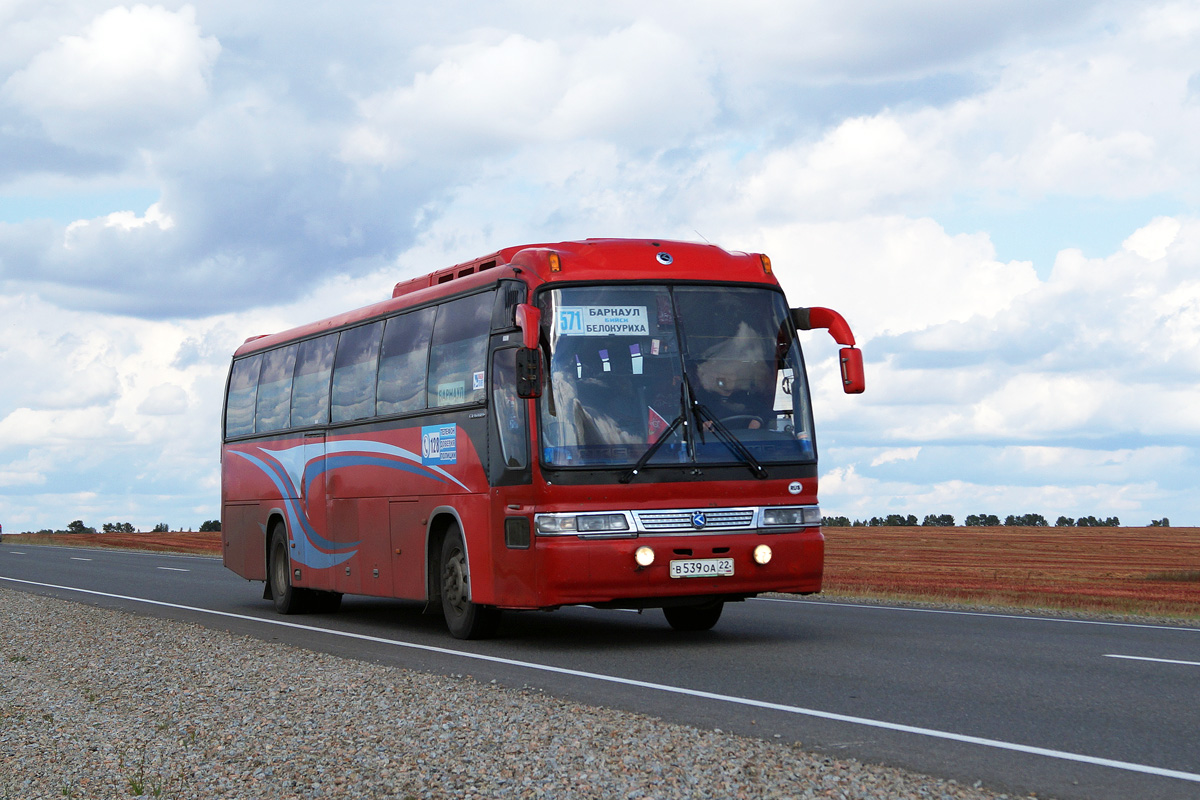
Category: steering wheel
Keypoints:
(732, 421)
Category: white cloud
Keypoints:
(133, 70)
(896, 454)
(164, 400)
(491, 97)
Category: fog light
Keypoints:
(644, 556)
(762, 554)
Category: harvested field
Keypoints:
(1152, 571)
(205, 544)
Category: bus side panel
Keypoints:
(406, 516)
(514, 565)
(363, 521)
(248, 497)
(475, 512)
(244, 542)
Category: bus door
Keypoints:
(510, 477)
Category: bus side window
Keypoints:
(275, 389)
(354, 370)
(458, 351)
(243, 388)
(402, 363)
(310, 389)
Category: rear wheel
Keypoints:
(287, 598)
(694, 618)
(465, 619)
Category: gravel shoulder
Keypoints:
(96, 703)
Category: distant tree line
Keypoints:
(77, 526)
(981, 520)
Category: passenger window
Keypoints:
(275, 389)
(458, 351)
(354, 373)
(310, 390)
(243, 387)
(402, 363)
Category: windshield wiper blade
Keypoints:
(653, 448)
(732, 442)
(657, 443)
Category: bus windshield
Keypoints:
(713, 368)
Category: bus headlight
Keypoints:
(581, 523)
(762, 554)
(601, 522)
(793, 516)
(644, 556)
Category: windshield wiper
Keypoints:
(726, 436)
(653, 448)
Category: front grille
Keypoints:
(715, 519)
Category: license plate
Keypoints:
(702, 568)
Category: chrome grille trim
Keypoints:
(717, 520)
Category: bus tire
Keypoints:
(287, 598)
(694, 618)
(465, 619)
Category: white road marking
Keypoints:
(993, 615)
(77, 558)
(1155, 660)
(174, 569)
(743, 701)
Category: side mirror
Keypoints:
(529, 372)
(529, 318)
(854, 380)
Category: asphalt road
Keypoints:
(1065, 708)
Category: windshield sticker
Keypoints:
(451, 394)
(603, 321)
(439, 444)
(635, 357)
(478, 381)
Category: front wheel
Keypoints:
(694, 618)
(465, 619)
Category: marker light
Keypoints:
(555, 263)
(644, 556)
(766, 262)
(762, 554)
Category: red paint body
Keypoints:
(366, 502)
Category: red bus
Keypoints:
(614, 423)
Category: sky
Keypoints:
(1002, 197)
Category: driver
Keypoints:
(734, 380)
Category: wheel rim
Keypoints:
(279, 576)
(454, 582)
